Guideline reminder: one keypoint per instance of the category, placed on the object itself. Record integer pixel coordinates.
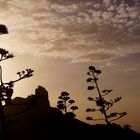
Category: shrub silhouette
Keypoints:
(6, 88)
(64, 103)
(100, 101)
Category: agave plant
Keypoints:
(102, 104)
(65, 104)
(6, 88)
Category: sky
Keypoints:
(60, 39)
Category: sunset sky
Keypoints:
(59, 39)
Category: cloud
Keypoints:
(129, 69)
(97, 56)
(127, 63)
(81, 30)
(131, 58)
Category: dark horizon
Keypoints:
(34, 118)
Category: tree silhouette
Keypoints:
(102, 104)
(3, 29)
(6, 88)
(64, 103)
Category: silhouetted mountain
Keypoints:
(34, 118)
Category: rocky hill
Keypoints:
(34, 118)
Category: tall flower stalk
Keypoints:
(6, 88)
(65, 104)
(102, 104)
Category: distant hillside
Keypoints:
(34, 118)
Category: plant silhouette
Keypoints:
(6, 88)
(100, 101)
(64, 103)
